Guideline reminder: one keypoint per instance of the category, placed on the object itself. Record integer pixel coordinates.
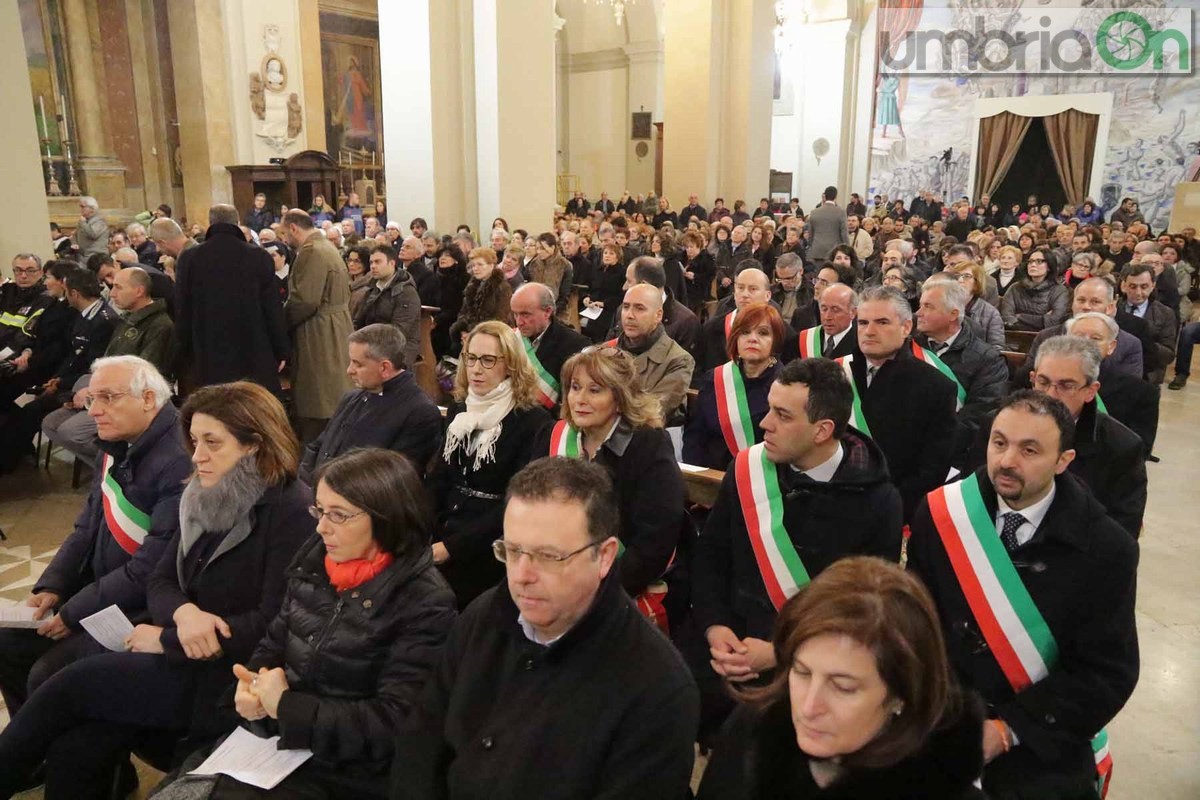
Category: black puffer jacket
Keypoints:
(355, 661)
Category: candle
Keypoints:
(66, 134)
(42, 109)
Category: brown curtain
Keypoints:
(1072, 138)
(1000, 137)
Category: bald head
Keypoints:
(642, 312)
(532, 307)
(751, 286)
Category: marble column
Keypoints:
(26, 218)
(103, 175)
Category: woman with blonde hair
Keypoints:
(489, 436)
(1008, 272)
(608, 418)
(972, 277)
(486, 296)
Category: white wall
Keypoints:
(599, 130)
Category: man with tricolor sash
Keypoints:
(947, 341)
(127, 522)
(904, 404)
(1035, 586)
(548, 342)
(816, 490)
(750, 285)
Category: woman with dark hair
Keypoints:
(357, 264)
(500, 222)
(606, 291)
(452, 281)
(1089, 214)
(1038, 300)
(367, 582)
(733, 397)
(490, 433)
(675, 263)
(905, 280)
(844, 256)
(550, 268)
(762, 248)
(242, 517)
(865, 708)
(381, 214)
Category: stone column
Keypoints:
(692, 99)
(26, 220)
(746, 121)
(103, 176)
(645, 94)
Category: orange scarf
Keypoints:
(357, 571)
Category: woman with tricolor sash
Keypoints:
(733, 397)
(242, 518)
(867, 708)
(607, 418)
(490, 435)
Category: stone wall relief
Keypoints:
(278, 113)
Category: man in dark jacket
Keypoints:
(548, 342)
(127, 522)
(392, 299)
(229, 317)
(147, 251)
(412, 260)
(22, 301)
(1079, 569)
(980, 372)
(837, 501)
(43, 339)
(258, 217)
(553, 685)
(678, 320)
(387, 409)
(907, 405)
(692, 210)
(1137, 284)
(751, 285)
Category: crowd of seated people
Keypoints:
(517, 594)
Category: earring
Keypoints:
(898, 710)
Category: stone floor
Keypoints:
(1155, 739)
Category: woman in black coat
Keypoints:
(489, 437)
(452, 283)
(362, 623)
(242, 518)
(866, 708)
(1038, 300)
(606, 291)
(698, 263)
(754, 344)
(607, 418)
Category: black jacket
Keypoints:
(650, 499)
(50, 340)
(91, 571)
(703, 443)
(400, 305)
(910, 411)
(147, 253)
(711, 351)
(426, 281)
(556, 344)
(607, 712)
(663, 217)
(1134, 403)
(401, 418)
(1080, 568)
(355, 660)
(257, 219)
(452, 283)
(229, 320)
(468, 524)
(18, 309)
(242, 582)
(983, 374)
(698, 288)
(758, 759)
(88, 340)
(689, 211)
(856, 513)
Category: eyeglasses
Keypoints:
(25, 270)
(334, 516)
(540, 559)
(101, 398)
(488, 362)
(1061, 387)
(963, 277)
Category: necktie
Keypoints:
(1008, 534)
(935, 346)
(871, 370)
(827, 346)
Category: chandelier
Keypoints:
(618, 7)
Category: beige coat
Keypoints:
(318, 315)
(666, 372)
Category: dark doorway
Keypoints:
(1032, 172)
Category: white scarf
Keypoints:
(484, 414)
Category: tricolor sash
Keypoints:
(566, 440)
(127, 523)
(547, 385)
(729, 318)
(1103, 409)
(1010, 622)
(757, 482)
(733, 408)
(857, 418)
(931, 358)
(609, 343)
(812, 342)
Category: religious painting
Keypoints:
(642, 125)
(350, 67)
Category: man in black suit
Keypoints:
(1077, 566)
(678, 320)
(750, 285)
(578, 205)
(907, 405)
(692, 210)
(1137, 284)
(412, 258)
(604, 205)
(792, 294)
(386, 409)
(549, 343)
(1130, 400)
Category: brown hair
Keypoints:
(255, 417)
(890, 612)
(751, 317)
(615, 249)
(486, 254)
(977, 272)
(613, 369)
(512, 352)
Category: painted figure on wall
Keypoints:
(356, 110)
(887, 108)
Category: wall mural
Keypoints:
(923, 125)
(277, 111)
(350, 68)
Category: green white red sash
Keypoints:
(729, 318)
(931, 358)
(1103, 409)
(757, 482)
(733, 408)
(1010, 622)
(609, 343)
(857, 418)
(812, 342)
(127, 523)
(565, 440)
(547, 385)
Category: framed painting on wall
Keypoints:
(350, 71)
